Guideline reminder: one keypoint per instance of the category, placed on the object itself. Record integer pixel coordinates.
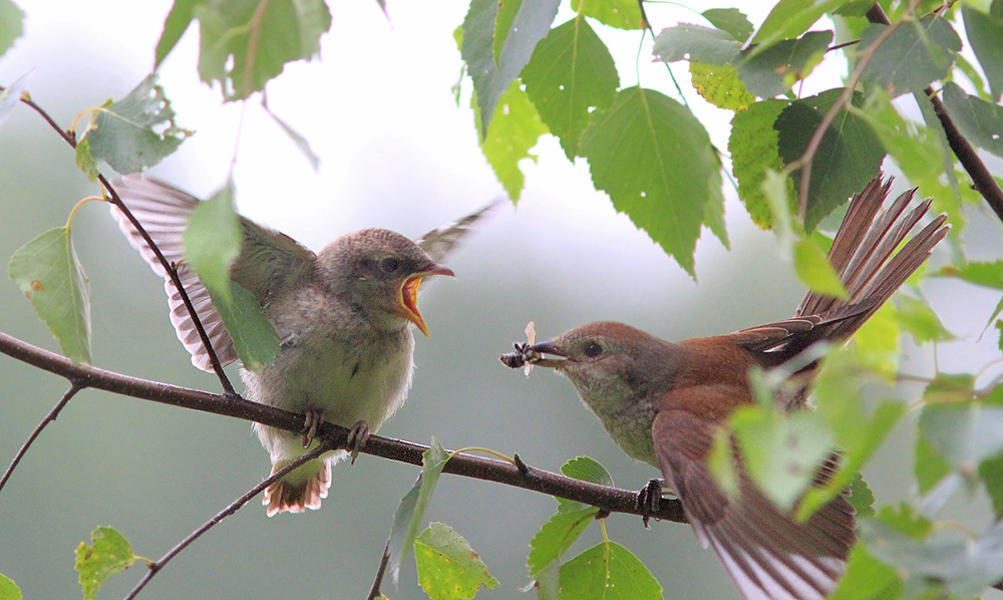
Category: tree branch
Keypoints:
(982, 181)
(530, 478)
(74, 388)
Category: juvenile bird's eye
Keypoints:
(389, 264)
(593, 350)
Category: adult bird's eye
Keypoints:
(389, 264)
(593, 350)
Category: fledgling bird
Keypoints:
(342, 316)
(662, 402)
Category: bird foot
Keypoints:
(649, 499)
(312, 420)
(358, 435)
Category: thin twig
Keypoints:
(808, 157)
(982, 180)
(531, 478)
(70, 138)
(74, 388)
(374, 592)
(156, 566)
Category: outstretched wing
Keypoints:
(269, 261)
(768, 554)
(441, 241)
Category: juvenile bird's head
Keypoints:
(378, 271)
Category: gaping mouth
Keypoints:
(409, 295)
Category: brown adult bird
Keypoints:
(663, 402)
(342, 316)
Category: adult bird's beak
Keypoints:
(549, 348)
(409, 294)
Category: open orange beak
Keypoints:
(409, 295)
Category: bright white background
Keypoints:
(396, 152)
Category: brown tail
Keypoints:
(302, 489)
(862, 255)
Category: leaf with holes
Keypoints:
(656, 162)
(50, 275)
(776, 69)
(571, 73)
(448, 567)
(108, 554)
(693, 42)
(980, 121)
(512, 133)
(753, 148)
(136, 132)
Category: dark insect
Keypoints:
(524, 355)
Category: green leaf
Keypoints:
(878, 342)
(556, 536)
(721, 463)
(928, 466)
(244, 43)
(917, 150)
(570, 73)
(492, 78)
(174, 27)
(963, 434)
(980, 121)
(587, 469)
(693, 42)
(212, 241)
(720, 85)
(50, 275)
(781, 452)
(9, 589)
(11, 24)
(919, 320)
(915, 54)
(991, 474)
(731, 20)
(999, 326)
(108, 555)
(448, 568)
(986, 274)
(946, 561)
(753, 148)
(11, 96)
(849, 156)
(985, 34)
(815, 270)
(254, 339)
(514, 130)
(507, 11)
(411, 511)
(608, 571)
(136, 132)
(790, 18)
(85, 160)
(859, 429)
(776, 69)
(866, 578)
(655, 160)
(622, 14)
(861, 497)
